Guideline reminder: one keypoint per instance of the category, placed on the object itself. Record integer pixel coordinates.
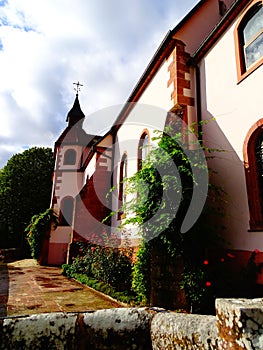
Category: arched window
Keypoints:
(66, 211)
(122, 177)
(70, 157)
(253, 160)
(143, 148)
(249, 39)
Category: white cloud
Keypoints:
(49, 44)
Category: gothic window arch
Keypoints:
(253, 161)
(143, 147)
(70, 157)
(122, 177)
(66, 211)
(249, 40)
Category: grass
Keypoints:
(124, 297)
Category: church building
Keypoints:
(209, 67)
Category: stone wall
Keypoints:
(238, 325)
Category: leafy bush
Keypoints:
(106, 264)
(196, 284)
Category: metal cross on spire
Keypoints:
(77, 88)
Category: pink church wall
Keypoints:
(91, 205)
(234, 105)
(57, 253)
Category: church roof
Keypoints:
(75, 114)
(217, 31)
(74, 134)
(166, 47)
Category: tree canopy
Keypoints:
(25, 190)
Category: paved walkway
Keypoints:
(27, 288)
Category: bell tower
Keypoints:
(68, 179)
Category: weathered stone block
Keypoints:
(240, 324)
(183, 331)
(116, 329)
(44, 331)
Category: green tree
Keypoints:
(25, 190)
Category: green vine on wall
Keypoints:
(147, 190)
(140, 274)
(38, 229)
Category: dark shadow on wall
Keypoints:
(227, 165)
(238, 275)
(4, 289)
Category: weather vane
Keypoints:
(77, 88)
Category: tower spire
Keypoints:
(75, 114)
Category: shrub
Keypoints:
(106, 264)
(197, 286)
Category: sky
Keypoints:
(47, 45)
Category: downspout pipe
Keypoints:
(193, 63)
(112, 171)
(198, 102)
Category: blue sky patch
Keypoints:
(4, 21)
(3, 2)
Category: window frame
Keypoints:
(254, 189)
(242, 71)
(140, 146)
(122, 175)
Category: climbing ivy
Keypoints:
(140, 274)
(150, 190)
(40, 226)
